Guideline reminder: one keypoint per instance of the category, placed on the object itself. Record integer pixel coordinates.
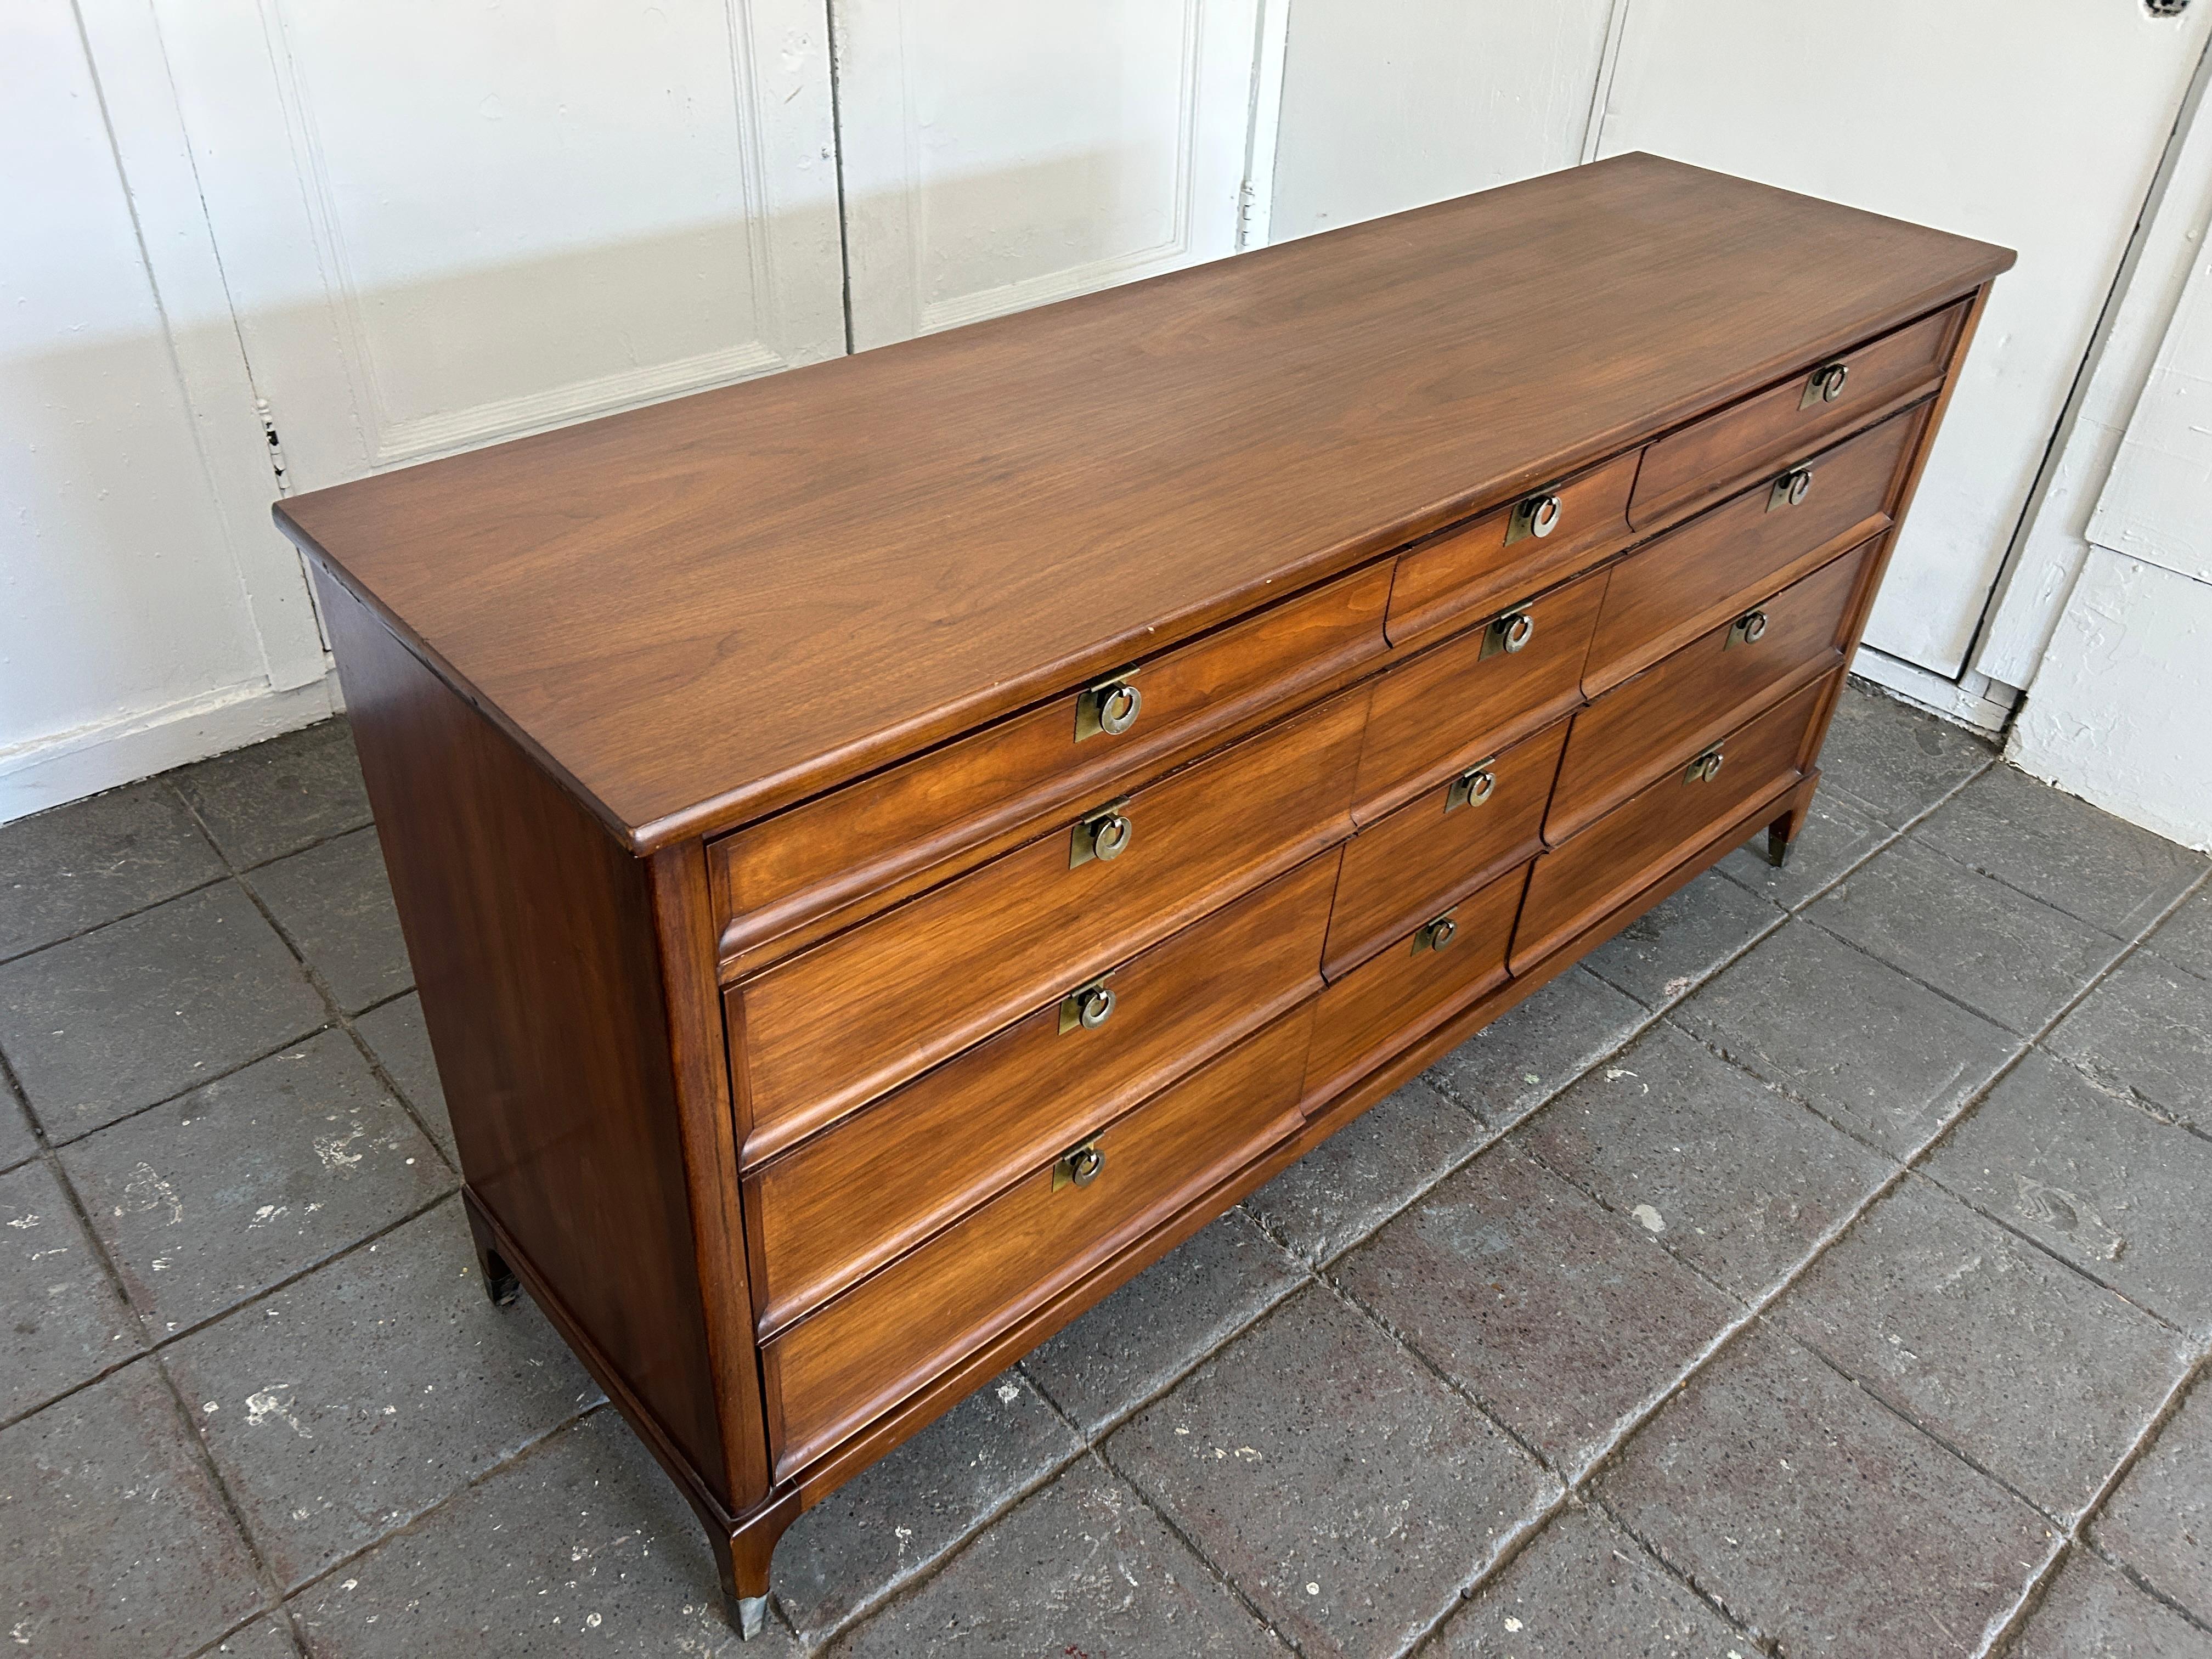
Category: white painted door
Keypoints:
(2038, 124)
(999, 154)
(443, 225)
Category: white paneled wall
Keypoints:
(133, 633)
(400, 230)
(1388, 104)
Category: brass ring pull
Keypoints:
(1749, 628)
(1825, 385)
(1103, 836)
(1508, 633)
(1544, 516)
(1118, 707)
(1109, 708)
(1791, 489)
(1094, 1007)
(1705, 768)
(1436, 935)
(1109, 838)
(1472, 787)
(1078, 1168)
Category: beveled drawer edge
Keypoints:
(1324, 1113)
(1690, 506)
(1163, 1210)
(753, 940)
(1715, 727)
(765, 1141)
(1348, 961)
(1110, 1109)
(1660, 646)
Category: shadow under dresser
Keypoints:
(889, 849)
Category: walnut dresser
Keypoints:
(890, 850)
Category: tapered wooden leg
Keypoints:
(742, 1556)
(499, 1281)
(1782, 834)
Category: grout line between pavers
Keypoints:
(230, 869)
(499, 1466)
(339, 1017)
(884, 1594)
(150, 1345)
(2074, 1537)
(196, 1448)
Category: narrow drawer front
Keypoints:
(1713, 568)
(836, 1025)
(1420, 980)
(832, 1372)
(1453, 578)
(1707, 460)
(1653, 724)
(918, 816)
(834, 1208)
(1634, 845)
(1438, 848)
(1448, 706)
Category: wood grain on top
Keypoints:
(705, 609)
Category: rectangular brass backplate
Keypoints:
(1521, 525)
(1089, 699)
(1467, 789)
(1494, 636)
(1083, 841)
(1077, 1165)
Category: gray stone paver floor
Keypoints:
(1825, 1267)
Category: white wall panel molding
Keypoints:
(2117, 714)
(67, 766)
(1000, 155)
(444, 227)
(2038, 124)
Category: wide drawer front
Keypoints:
(836, 1025)
(834, 1370)
(917, 818)
(1480, 692)
(836, 1207)
(1623, 852)
(1710, 570)
(1420, 981)
(1655, 723)
(1412, 864)
(1552, 534)
(1711, 457)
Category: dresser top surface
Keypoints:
(706, 609)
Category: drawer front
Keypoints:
(1455, 578)
(1623, 852)
(1653, 724)
(1412, 987)
(915, 817)
(847, 1019)
(1450, 706)
(832, 1372)
(1710, 570)
(1414, 862)
(836, 1207)
(1712, 456)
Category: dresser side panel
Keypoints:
(533, 938)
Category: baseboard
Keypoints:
(1981, 702)
(74, 764)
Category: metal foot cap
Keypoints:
(752, 1615)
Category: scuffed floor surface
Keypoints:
(1824, 1269)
